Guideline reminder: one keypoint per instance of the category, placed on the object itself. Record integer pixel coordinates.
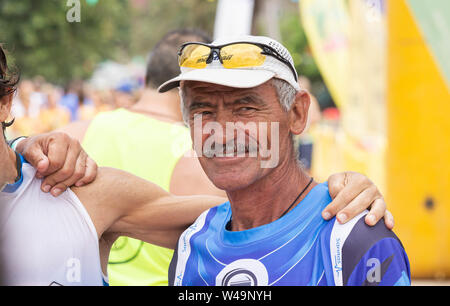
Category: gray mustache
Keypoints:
(232, 148)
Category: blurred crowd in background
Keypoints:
(40, 106)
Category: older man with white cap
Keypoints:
(271, 232)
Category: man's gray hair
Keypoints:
(285, 92)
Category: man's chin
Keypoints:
(232, 167)
(232, 173)
(230, 186)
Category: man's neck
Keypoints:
(268, 199)
(8, 167)
(164, 107)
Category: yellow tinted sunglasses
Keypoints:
(235, 55)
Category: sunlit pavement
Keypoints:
(430, 282)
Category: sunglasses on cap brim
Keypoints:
(233, 55)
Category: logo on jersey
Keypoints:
(338, 257)
(243, 272)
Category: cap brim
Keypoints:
(238, 78)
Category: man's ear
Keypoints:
(5, 107)
(299, 112)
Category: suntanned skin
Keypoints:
(254, 192)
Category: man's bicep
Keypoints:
(119, 201)
(149, 213)
(136, 200)
(164, 214)
(131, 206)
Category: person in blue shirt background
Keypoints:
(271, 232)
(74, 96)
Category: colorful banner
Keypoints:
(348, 39)
(433, 20)
(418, 168)
(364, 113)
(326, 23)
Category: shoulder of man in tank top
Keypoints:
(76, 129)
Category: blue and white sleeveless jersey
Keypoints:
(298, 249)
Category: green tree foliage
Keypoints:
(44, 43)
(294, 38)
(152, 20)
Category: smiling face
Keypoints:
(254, 113)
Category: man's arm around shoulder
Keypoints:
(124, 204)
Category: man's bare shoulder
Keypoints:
(76, 129)
(188, 178)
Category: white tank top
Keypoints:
(45, 240)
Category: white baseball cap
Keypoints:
(247, 77)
